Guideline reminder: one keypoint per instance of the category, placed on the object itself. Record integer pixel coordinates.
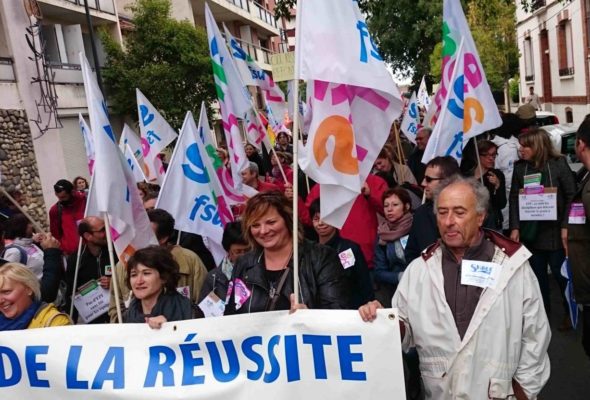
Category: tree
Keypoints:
(168, 60)
(406, 31)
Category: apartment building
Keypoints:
(554, 49)
(42, 92)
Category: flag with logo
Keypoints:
(156, 134)
(446, 138)
(188, 192)
(115, 190)
(423, 97)
(256, 130)
(232, 196)
(88, 142)
(481, 112)
(353, 97)
(273, 95)
(411, 120)
(130, 145)
(234, 99)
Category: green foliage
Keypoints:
(513, 86)
(493, 26)
(168, 60)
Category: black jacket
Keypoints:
(423, 232)
(357, 276)
(556, 173)
(321, 280)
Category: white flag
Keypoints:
(423, 96)
(233, 98)
(481, 111)
(187, 193)
(88, 143)
(115, 191)
(130, 139)
(447, 136)
(411, 120)
(353, 97)
(156, 134)
(273, 95)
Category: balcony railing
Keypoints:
(106, 6)
(529, 78)
(265, 15)
(259, 54)
(255, 9)
(6, 70)
(566, 71)
(66, 73)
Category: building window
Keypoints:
(569, 115)
(536, 4)
(565, 48)
(529, 66)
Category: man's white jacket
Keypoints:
(507, 338)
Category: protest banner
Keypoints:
(329, 354)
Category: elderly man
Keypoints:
(250, 177)
(472, 307)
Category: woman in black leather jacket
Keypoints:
(263, 278)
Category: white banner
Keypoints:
(310, 354)
(411, 119)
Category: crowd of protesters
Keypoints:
(403, 243)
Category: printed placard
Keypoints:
(212, 305)
(577, 215)
(480, 273)
(91, 301)
(538, 207)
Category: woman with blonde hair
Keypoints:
(20, 301)
(542, 169)
(263, 278)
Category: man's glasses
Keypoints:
(429, 179)
(103, 229)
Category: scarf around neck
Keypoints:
(21, 321)
(390, 232)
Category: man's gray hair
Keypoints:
(253, 167)
(482, 195)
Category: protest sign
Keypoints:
(325, 354)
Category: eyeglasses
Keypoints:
(429, 179)
(103, 229)
(493, 155)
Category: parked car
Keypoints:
(563, 137)
(546, 118)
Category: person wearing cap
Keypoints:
(527, 115)
(65, 214)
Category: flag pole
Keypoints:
(400, 159)
(77, 268)
(478, 161)
(107, 227)
(38, 227)
(296, 170)
(178, 238)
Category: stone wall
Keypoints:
(18, 164)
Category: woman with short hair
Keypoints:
(152, 276)
(20, 301)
